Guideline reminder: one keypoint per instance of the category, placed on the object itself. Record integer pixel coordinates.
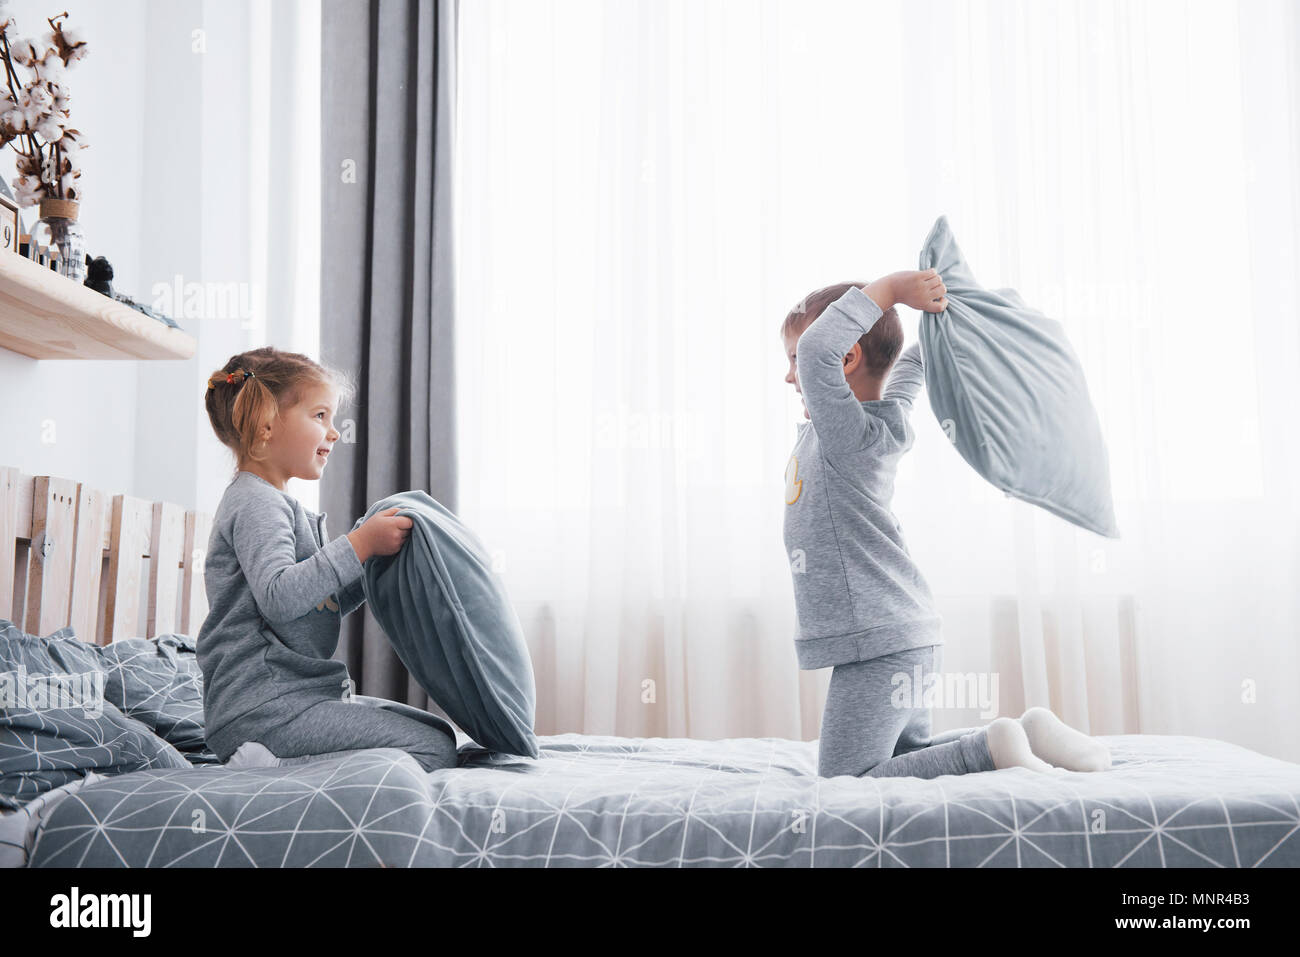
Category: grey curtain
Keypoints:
(387, 101)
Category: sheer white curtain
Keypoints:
(644, 190)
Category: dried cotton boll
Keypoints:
(34, 111)
(40, 96)
(69, 43)
(50, 67)
(23, 52)
(50, 129)
(28, 191)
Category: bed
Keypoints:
(599, 801)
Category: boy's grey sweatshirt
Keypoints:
(858, 594)
(277, 594)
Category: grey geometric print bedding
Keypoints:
(598, 801)
(60, 717)
(158, 682)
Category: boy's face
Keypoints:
(790, 340)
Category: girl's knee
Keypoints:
(832, 765)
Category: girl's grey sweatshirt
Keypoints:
(277, 594)
(858, 594)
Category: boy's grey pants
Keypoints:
(864, 735)
(365, 722)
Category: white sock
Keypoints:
(1009, 746)
(253, 754)
(1057, 743)
(323, 756)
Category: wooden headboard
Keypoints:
(110, 566)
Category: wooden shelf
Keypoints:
(48, 316)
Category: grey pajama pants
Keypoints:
(365, 722)
(864, 735)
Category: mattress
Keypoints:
(600, 801)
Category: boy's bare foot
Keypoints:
(1057, 743)
(1009, 746)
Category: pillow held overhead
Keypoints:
(449, 619)
(1010, 393)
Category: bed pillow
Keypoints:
(55, 725)
(158, 682)
(1010, 394)
(449, 620)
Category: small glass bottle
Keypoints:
(62, 231)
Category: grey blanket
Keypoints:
(594, 801)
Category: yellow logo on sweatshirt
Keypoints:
(329, 603)
(793, 484)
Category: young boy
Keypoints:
(863, 607)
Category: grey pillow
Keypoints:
(449, 619)
(158, 682)
(47, 742)
(1010, 394)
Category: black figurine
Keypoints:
(99, 275)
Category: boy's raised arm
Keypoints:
(836, 413)
(842, 424)
(908, 375)
(923, 290)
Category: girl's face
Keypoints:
(302, 436)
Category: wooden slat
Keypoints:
(166, 551)
(54, 526)
(60, 579)
(88, 563)
(8, 538)
(26, 490)
(194, 596)
(128, 545)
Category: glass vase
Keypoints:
(59, 217)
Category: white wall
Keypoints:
(186, 175)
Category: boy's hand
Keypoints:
(923, 290)
(381, 534)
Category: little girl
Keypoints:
(278, 588)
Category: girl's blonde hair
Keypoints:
(248, 392)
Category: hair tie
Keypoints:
(230, 377)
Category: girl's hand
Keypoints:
(921, 289)
(381, 534)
